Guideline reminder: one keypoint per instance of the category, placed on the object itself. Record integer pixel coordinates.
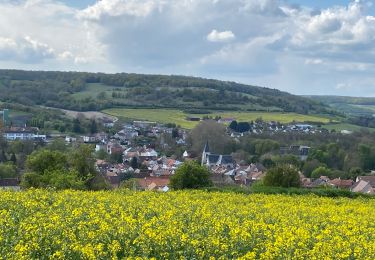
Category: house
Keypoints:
(89, 139)
(126, 134)
(70, 139)
(370, 179)
(320, 182)
(210, 160)
(363, 187)
(114, 148)
(342, 184)
(108, 123)
(20, 133)
(154, 183)
(148, 154)
(113, 179)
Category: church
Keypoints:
(211, 160)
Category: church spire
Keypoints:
(206, 148)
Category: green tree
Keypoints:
(282, 176)
(190, 176)
(212, 132)
(57, 145)
(93, 127)
(321, 171)
(7, 170)
(77, 126)
(43, 161)
(82, 160)
(13, 158)
(3, 157)
(130, 184)
(310, 166)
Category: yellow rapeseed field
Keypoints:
(40, 224)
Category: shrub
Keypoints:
(190, 176)
(282, 176)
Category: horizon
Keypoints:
(301, 47)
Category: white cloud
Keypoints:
(313, 61)
(261, 41)
(137, 8)
(224, 36)
(343, 86)
(25, 50)
(50, 32)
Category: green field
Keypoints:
(349, 127)
(93, 89)
(179, 117)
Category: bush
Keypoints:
(190, 176)
(282, 176)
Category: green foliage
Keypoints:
(288, 159)
(282, 176)
(310, 166)
(240, 127)
(130, 184)
(82, 160)
(262, 189)
(212, 132)
(321, 171)
(68, 90)
(367, 157)
(7, 170)
(54, 169)
(264, 146)
(190, 175)
(43, 161)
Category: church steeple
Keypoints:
(206, 148)
(206, 152)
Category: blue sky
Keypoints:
(303, 47)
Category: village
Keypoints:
(140, 151)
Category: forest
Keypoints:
(82, 91)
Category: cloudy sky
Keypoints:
(304, 47)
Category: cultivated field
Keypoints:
(179, 117)
(39, 224)
(349, 127)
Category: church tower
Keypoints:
(206, 152)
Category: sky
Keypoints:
(321, 47)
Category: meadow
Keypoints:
(179, 117)
(39, 224)
(348, 127)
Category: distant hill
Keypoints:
(83, 91)
(354, 106)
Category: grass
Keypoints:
(260, 189)
(349, 127)
(179, 117)
(92, 90)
